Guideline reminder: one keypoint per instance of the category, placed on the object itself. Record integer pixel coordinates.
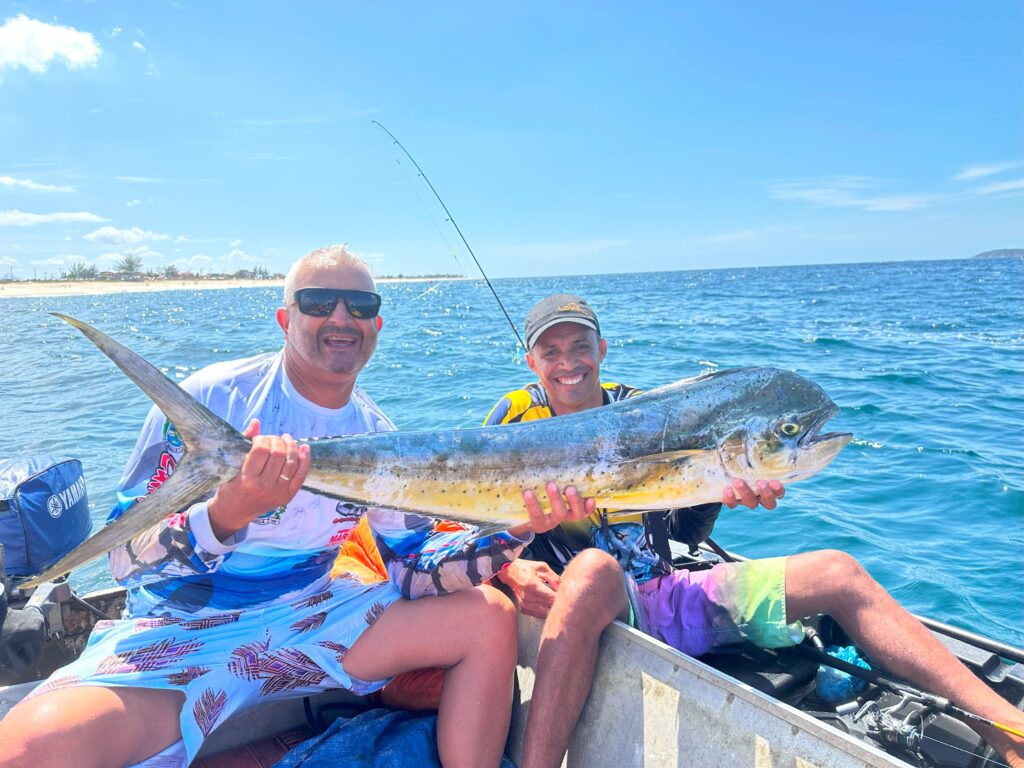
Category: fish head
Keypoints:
(777, 431)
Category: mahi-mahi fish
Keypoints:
(675, 446)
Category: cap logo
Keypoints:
(570, 308)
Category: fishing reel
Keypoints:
(885, 728)
(921, 734)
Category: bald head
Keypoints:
(322, 259)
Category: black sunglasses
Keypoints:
(320, 302)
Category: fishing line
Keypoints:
(991, 761)
(426, 210)
(451, 220)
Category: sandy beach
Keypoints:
(33, 288)
(36, 288)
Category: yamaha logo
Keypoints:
(55, 507)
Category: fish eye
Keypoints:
(789, 429)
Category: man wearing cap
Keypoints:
(574, 575)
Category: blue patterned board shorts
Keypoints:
(231, 661)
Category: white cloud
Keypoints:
(116, 31)
(132, 203)
(116, 236)
(979, 171)
(234, 244)
(53, 261)
(140, 179)
(144, 252)
(1000, 186)
(198, 263)
(237, 254)
(10, 181)
(138, 46)
(846, 192)
(7, 261)
(22, 219)
(32, 44)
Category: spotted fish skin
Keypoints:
(675, 446)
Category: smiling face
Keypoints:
(323, 355)
(567, 359)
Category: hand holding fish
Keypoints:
(767, 494)
(271, 475)
(566, 506)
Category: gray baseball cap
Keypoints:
(560, 308)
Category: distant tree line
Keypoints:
(129, 267)
(400, 276)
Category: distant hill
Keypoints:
(1002, 253)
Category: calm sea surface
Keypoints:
(926, 360)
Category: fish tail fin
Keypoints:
(190, 481)
(214, 452)
(199, 428)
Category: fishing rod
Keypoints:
(451, 219)
(939, 703)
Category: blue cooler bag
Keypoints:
(44, 511)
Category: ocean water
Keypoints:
(926, 360)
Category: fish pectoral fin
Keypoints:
(669, 457)
(624, 500)
(490, 528)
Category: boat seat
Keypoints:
(782, 674)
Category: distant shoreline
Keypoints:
(17, 289)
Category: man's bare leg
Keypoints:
(90, 727)
(833, 582)
(591, 595)
(473, 634)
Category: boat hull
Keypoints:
(654, 707)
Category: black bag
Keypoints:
(44, 511)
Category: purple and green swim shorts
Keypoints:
(699, 611)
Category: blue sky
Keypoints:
(564, 137)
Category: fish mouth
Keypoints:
(815, 436)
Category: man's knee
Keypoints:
(594, 581)
(30, 735)
(835, 577)
(496, 606)
(838, 567)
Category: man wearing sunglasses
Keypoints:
(572, 576)
(232, 601)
